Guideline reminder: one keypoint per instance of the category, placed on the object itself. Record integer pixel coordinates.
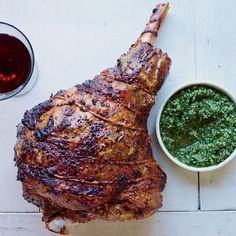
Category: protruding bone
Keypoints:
(149, 34)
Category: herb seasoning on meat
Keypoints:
(198, 126)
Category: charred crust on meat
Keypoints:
(71, 102)
(123, 178)
(137, 173)
(60, 93)
(42, 133)
(31, 117)
(64, 124)
(163, 179)
(150, 31)
(139, 211)
(90, 178)
(68, 111)
(85, 153)
(19, 130)
(131, 73)
(52, 170)
(98, 87)
(154, 10)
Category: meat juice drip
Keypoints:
(15, 63)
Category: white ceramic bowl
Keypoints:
(175, 160)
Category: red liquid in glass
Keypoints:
(15, 63)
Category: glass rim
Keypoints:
(12, 93)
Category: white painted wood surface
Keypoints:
(165, 224)
(73, 40)
(215, 61)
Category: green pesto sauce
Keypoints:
(198, 126)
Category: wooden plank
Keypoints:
(215, 62)
(215, 42)
(218, 188)
(10, 190)
(26, 224)
(162, 224)
(177, 38)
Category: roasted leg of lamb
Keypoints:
(85, 153)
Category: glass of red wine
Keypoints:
(18, 70)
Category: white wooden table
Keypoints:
(75, 39)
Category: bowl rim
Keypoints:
(171, 157)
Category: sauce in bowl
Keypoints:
(198, 126)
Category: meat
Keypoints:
(85, 153)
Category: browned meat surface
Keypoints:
(85, 153)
